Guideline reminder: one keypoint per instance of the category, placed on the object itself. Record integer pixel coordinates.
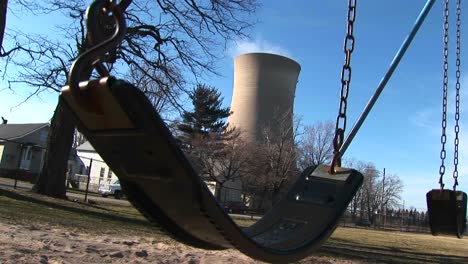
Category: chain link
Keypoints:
(443, 138)
(348, 48)
(457, 98)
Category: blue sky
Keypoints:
(402, 134)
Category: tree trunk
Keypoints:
(52, 179)
(3, 14)
(219, 188)
(354, 210)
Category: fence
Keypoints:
(76, 178)
(393, 220)
(387, 223)
(396, 220)
(402, 220)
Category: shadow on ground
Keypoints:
(344, 249)
(335, 247)
(70, 207)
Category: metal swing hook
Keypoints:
(93, 56)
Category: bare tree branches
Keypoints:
(183, 36)
(317, 144)
(273, 160)
(168, 42)
(378, 193)
(159, 92)
(220, 160)
(391, 188)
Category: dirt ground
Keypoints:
(43, 244)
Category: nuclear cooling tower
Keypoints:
(264, 86)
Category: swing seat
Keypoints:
(447, 212)
(158, 180)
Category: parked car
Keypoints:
(236, 207)
(106, 189)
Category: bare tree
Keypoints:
(317, 144)
(391, 187)
(377, 192)
(15, 47)
(370, 195)
(221, 161)
(167, 42)
(273, 166)
(354, 205)
(366, 200)
(153, 91)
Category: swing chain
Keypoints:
(443, 137)
(348, 48)
(457, 98)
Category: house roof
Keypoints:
(16, 131)
(85, 147)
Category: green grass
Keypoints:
(395, 247)
(77, 191)
(25, 208)
(22, 207)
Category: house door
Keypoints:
(26, 154)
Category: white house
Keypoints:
(22, 149)
(93, 164)
(90, 161)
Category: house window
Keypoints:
(43, 136)
(25, 162)
(109, 174)
(26, 153)
(102, 172)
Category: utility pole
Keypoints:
(384, 207)
(402, 216)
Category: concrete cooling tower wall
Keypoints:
(264, 86)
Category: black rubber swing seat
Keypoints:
(447, 212)
(133, 140)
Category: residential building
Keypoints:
(22, 149)
(90, 163)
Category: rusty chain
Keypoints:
(457, 98)
(348, 48)
(443, 137)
